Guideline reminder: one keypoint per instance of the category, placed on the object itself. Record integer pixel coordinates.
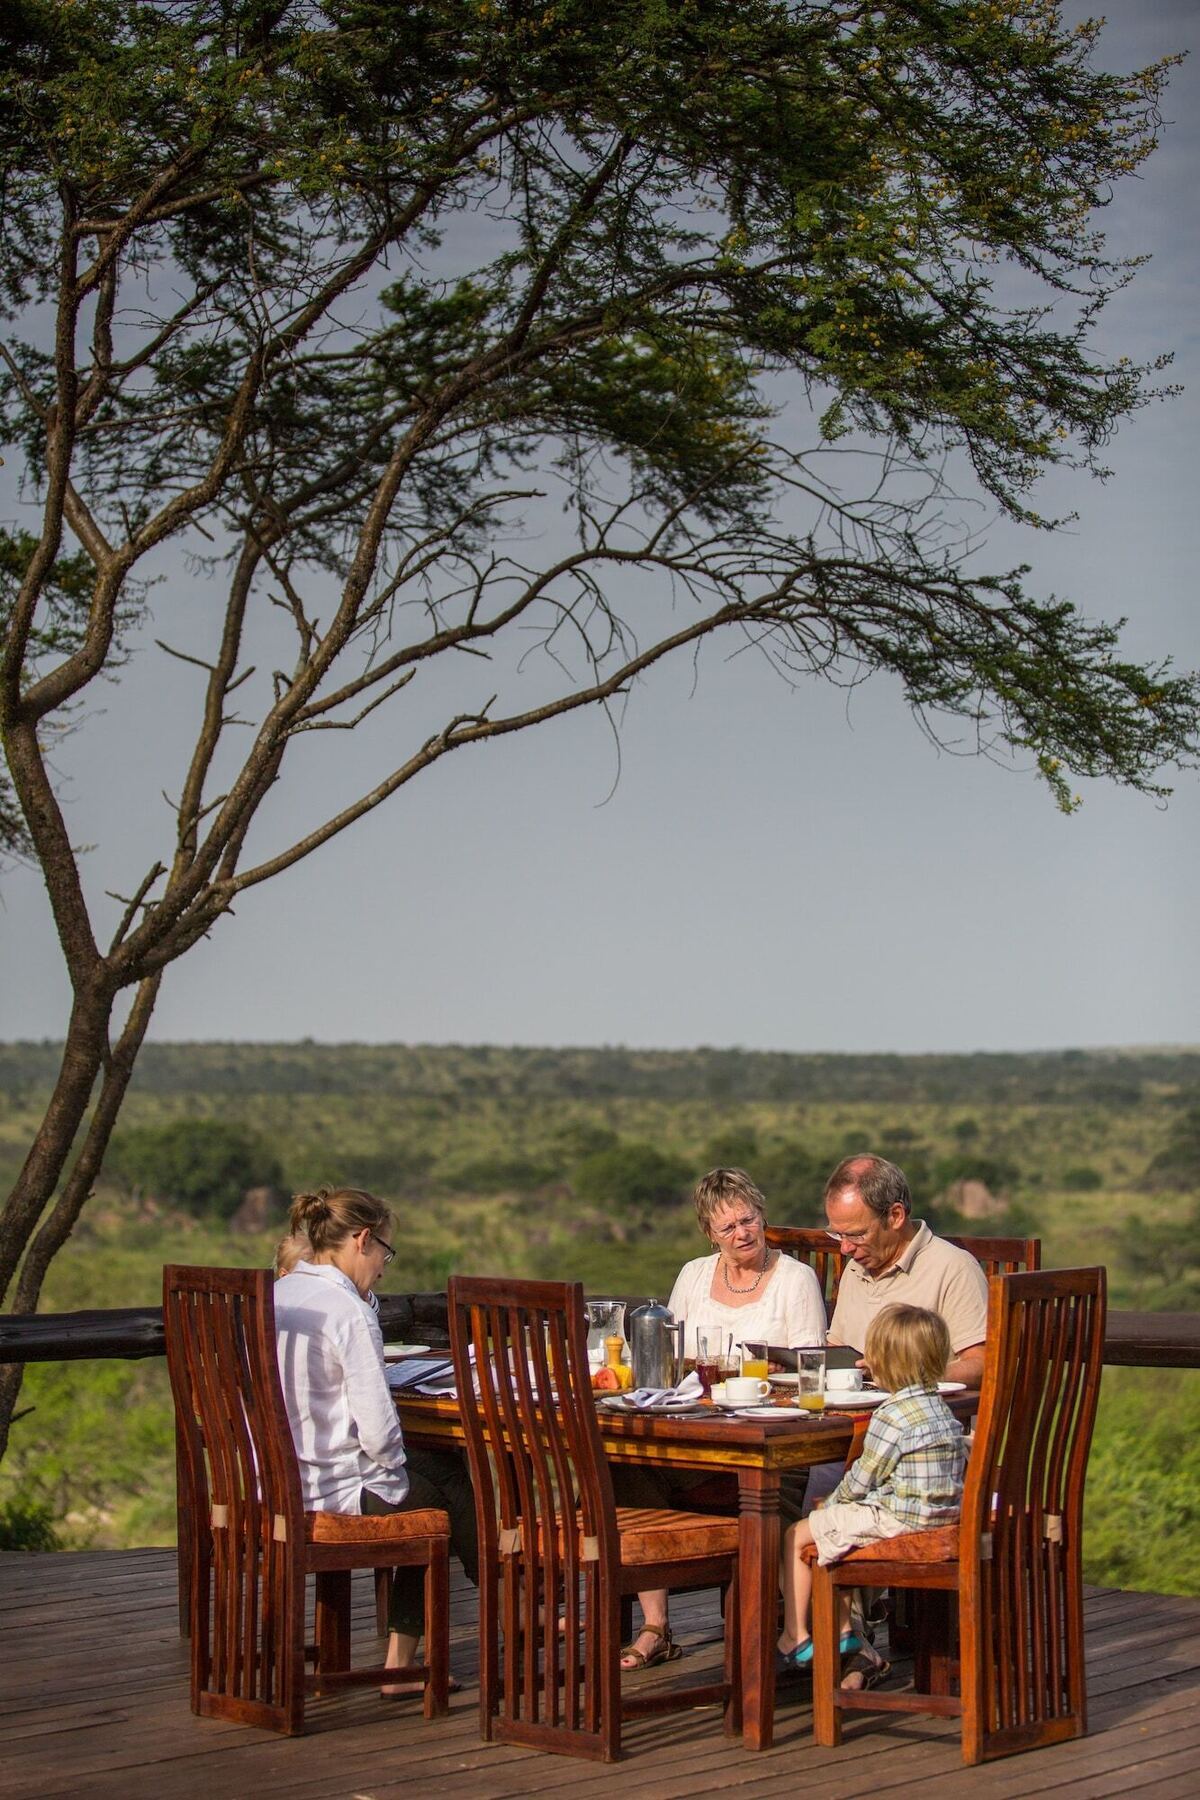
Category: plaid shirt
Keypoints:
(912, 1461)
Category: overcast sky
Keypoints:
(775, 869)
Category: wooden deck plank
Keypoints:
(94, 1705)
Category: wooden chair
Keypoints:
(1003, 1255)
(548, 1528)
(1014, 1560)
(815, 1247)
(252, 1543)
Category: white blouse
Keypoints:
(339, 1405)
(789, 1308)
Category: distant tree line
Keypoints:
(458, 1073)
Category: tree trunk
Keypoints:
(84, 1055)
(50, 1152)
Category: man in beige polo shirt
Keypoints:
(896, 1258)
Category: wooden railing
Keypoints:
(1146, 1340)
(133, 1331)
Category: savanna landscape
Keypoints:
(578, 1163)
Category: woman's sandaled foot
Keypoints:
(652, 1645)
(864, 1671)
(402, 1690)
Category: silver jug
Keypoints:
(655, 1345)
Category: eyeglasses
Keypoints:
(725, 1232)
(847, 1237)
(388, 1252)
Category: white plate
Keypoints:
(741, 1405)
(768, 1412)
(854, 1399)
(409, 1350)
(952, 1387)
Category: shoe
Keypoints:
(665, 1650)
(801, 1657)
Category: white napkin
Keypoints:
(686, 1394)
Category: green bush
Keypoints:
(202, 1166)
(734, 1148)
(27, 1525)
(496, 1174)
(792, 1179)
(1142, 1511)
(1178, 1164)
(1082, 1179)
(633, 1184)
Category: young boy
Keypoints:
(908, 1478)
(289, 1251)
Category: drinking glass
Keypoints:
(708, 1361)
(810, 1380)
(754, 1360)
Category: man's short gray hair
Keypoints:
(879, 1184)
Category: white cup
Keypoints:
(746, 1388)
(844, 1380)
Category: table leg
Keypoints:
(758, 1579)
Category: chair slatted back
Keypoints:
(816, 1248)
(811, 1245)
(243, 1494)
(1003, 1255)
(544, 1504)
(1022, 1513)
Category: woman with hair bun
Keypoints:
(349, 1445)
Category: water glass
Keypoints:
(810, 1380)
(754, 1361)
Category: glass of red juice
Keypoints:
(708, 1366)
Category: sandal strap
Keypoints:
(641, 1659)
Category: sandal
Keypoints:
(666, 1650)
(872, 1668)
(408, 1690)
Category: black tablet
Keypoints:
(837, 1356)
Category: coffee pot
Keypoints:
(655, 1345)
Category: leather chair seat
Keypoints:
(359, 1529)
(938, 1544)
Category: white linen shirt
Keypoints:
(788, 1310)
(339, 1405)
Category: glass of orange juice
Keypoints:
(754, 1360)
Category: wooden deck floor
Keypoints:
(93, 1702)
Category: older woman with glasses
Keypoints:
(744, 1291)
(349, 1445)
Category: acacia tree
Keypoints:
(336, 299)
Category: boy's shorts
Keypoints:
(848, 1524)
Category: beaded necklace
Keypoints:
(754, 1284)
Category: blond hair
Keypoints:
(289, 1251)
(907, 1346)
(725, 1187)
(331, 1215)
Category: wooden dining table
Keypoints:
(756, 1451)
